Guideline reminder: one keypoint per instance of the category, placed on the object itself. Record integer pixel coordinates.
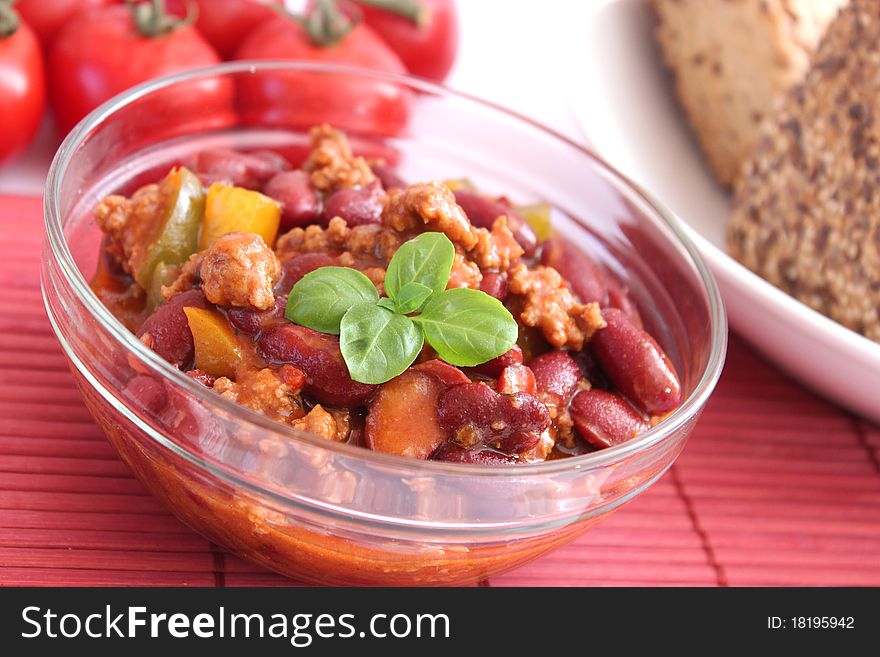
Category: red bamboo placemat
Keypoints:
(776, 486)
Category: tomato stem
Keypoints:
(412, 10)
(326, 25)
(152, 20)
(9, 20)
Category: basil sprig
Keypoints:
(420, 268)
(324, 296)
(378, 344)
(464, 326)
(380, 338)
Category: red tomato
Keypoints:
(226, 23)
(47, 17)
(427, 50)
(101, 53)
(303, 99)
(22, 90)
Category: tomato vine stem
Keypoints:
(329, 21)
(412, 10)
(326, 24)
(9, 20)
(152, 20)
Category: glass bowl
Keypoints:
(321, 511)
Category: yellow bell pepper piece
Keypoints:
(218, 352)
(540, 217)
(457, 184)
(231, 209)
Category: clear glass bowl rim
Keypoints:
(79, 285)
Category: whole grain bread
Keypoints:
(732, 60)
(806, 214)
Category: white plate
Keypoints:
(626, 108)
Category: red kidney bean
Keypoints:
(618, 297)
(300, 203)
(191, 420)
(454, 453)
(388, 176)
(636, 364)
(293, 269)
(176, 408)
(484, 211)
(590, 369)
(516, 378)
(448, 374)
(318, 355)
(295, 154)
(495, 285)
(495, 366)
(202, 377)
(488, 415)
(167, 332)
(585, 278)
(604, 419)
(556, 373)
(234, 168)
(251, 322)
(274, 159)
(518, 442)
(147, 392)
(357, 206)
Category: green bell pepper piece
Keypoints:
(177, 233)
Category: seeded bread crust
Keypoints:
(732, 60)
(806, 215)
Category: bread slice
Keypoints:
(806, 214)
(732, 60)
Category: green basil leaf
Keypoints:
(320, 298)
(378, 344)
(412, 297)
(426, 260)
(467, 327)
(388, 304)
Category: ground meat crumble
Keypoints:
(464, 273)
(272, 392)
(332, 425)
(549, 305)
(497, 249)
(331, 163)
(428, 206)
(370, 240)
(239, 269)
(432, 206)
(131, 223)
